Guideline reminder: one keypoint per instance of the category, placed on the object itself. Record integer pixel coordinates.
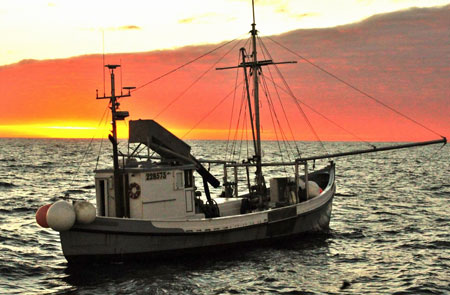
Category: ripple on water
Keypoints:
(389, 232)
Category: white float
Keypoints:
(85, 212)
(61, 216)
(313, 189)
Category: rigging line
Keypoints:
(263, 46)
(195, 81)
(283, 140)
(243, 130)
(245, 127)
(234, 98)
(101, 141)
(236, 133)
(299, 107)
(264, 49)
(183, 65)
(210, 112)
(88, 148)
(355, 88)
(238, 123)
(232, 108)
(323, 116)
(272, 111)
(274, 115)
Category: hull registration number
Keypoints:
(156, 175)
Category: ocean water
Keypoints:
(389, 230)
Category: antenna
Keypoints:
(116, 116)
(253, 10)
(103, 43)
(121, 77)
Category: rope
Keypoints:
(300, 108)
(195, 81)
(232, 109)
(279, 98)
(272, 113)
(88, 148)
(234, 99)
(323, 116)
(210, 112)
(183, 65)
(236, 133)
(355, 88)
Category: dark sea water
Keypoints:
(390, 230)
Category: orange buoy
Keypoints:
(41, 215)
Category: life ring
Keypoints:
(134, 190)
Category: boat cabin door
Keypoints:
(105, 198)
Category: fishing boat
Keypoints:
(150, 206)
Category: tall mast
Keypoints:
(255, 67)
(255, 70)
(116, 115)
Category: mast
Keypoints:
(255, 69)
(116, 115)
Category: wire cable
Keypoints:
(355, 88)
(183, 65)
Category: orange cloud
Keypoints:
(383, 56)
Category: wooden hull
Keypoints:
(117, 238)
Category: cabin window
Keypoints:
(188, 179)
(179, 180)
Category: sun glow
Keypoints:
(52, 131)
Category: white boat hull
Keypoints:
(121, 238)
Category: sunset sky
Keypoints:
(50, 63)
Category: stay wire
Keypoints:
(323, 116)
(236, 130)
(101, 143)
(183, 65)
(210, 112)
(355, 88)
(264, 49)
(87, 149)
(234, 98)
(299, 107)
(272, 113)
(195, 81)
(242, 117)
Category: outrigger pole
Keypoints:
(375, 149)
(116, 115)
